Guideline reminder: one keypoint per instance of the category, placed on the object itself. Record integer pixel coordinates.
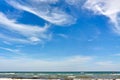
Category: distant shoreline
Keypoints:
(60, 72)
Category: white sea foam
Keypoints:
(25, 79)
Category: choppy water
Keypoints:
(59, 74)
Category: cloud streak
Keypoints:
(10, 50)
(27, 64)
(45, 10)
(108, 8)
(71, 63)
(29, 33)
(75, 3)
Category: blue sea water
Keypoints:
(94, 74)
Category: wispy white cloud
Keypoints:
(63, 35)
(47, 1)
(10, 50)
(116, 55)
(105, 63)
(74, 2)
(27, 64)
(29, 32)
(13, 39)
(44, 10)
(108, 8)
(72, 63)
(6, 42)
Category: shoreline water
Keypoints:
(60, 75)
(56, 79)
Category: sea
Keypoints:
(47, 75)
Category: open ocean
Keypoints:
(29, 75)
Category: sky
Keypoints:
(59, 35)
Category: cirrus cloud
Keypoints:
(44, 9)
(29, 33)
(108, 8)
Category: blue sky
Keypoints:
(59, 35)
